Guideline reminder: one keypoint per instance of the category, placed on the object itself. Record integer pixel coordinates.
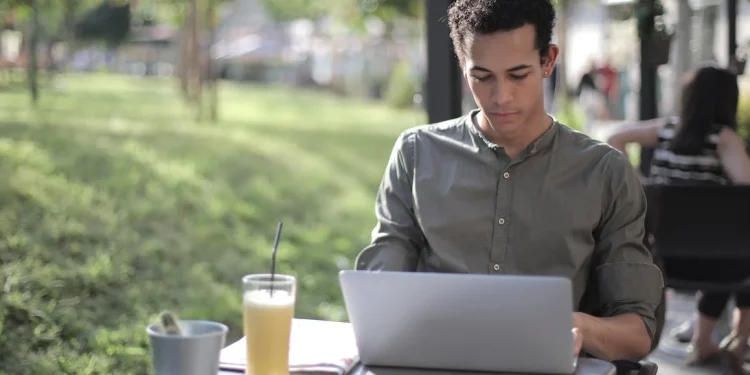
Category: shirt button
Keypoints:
(506, 175)
(496, 267)
(501, 221)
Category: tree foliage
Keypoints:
(391, 9)
(107, 22)
(287, 10)
(54, 15)
(351, 11)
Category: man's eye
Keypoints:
(519, 77)
(480, 79)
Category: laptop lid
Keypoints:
(476, 322)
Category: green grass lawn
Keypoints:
(115, 205)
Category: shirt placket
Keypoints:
(501, 234)
(499, 250)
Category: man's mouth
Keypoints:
(504, 113)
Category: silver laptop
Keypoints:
(461, 321)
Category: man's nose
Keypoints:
(502, 92)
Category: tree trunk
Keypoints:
(213, 76)
(183, 68)
(197, 59)
(49, 49)
(188, 52)
(33, 61)
(70, 20)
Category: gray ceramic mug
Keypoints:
(195, 352)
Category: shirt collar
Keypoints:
(540, 144)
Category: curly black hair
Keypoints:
(467, 18)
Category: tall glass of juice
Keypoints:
(268, 312)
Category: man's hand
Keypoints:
(577, 341)
(621, 337)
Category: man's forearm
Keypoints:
(622, 337)
(388, 256)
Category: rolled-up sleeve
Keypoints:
(397, 237)
(628, 281)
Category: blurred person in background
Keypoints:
(609, 78)
(591, 98)
(701, 147)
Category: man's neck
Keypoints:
(514, 143)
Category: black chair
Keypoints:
(696, 222)
(636, 368)
(701, 223)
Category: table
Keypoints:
(586, 366)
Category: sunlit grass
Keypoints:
(116, 205)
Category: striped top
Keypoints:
(668, 167)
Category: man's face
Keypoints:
(505, 75)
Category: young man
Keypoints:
(508, 190)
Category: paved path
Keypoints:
(670, 354)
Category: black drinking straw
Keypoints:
(273, 254)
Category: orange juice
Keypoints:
(268, 326)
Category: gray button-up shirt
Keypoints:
(452, 201)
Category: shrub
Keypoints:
(402, 86)
(569, 113)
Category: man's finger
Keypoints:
(577, 341)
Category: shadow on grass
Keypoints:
(357, 152)
(161, 203)
(113, 209)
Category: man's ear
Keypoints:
(549, 61)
